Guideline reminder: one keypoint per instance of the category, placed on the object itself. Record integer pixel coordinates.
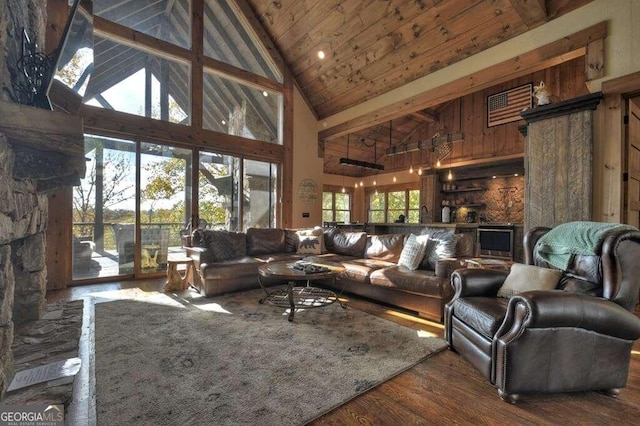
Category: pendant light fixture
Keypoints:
(420, 158)
(394, 157)
(450, 175)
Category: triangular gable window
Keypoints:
(228, 38)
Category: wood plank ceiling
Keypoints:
(374, 46)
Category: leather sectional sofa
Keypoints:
(228, 261)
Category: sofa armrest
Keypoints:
(477, 282)
(199, 255)
(558, 309)
(446, 266)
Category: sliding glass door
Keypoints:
(140, 190)
(165, 203)
(104, 210)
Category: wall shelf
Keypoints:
(453, 191)
(469, 205)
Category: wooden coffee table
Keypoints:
(296, 297)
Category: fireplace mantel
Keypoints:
(49, 145)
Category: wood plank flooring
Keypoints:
(443, 389)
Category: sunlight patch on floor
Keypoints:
(424, 334)
(135, 294)
(415, 319)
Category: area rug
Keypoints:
(230, 360)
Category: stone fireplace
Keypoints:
(40, 151)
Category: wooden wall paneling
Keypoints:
(477, 127)
(59, 246)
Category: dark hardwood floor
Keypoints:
(441, 390)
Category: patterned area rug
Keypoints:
(183, 359)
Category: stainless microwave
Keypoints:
(495, 242)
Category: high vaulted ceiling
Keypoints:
(374, 46)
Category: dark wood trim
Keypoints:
(119, 124)
(580, 103)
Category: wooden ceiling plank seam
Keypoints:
(241, 47)
(558, 51)
(334, 23)
(532, 12)
(283, 15)
(312, 18)
(367, 44)
(408, 61)
(346, 98)
(356, 42)
(264, 40)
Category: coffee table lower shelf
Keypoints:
(297, 297)
(303, 297)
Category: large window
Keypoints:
(227, 93)
(336, 206)
(387, 206)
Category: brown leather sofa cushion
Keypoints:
(418, 281)
(361, 269)
(347, 243)
(265, 241)
(483, 314)
(384, 247)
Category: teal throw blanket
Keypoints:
(560, 243)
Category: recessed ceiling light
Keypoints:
(223, 122)
(320, 54)
(516, 174)
(494, 177)
(265, 94)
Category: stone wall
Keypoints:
(23, 220)
(14, 15)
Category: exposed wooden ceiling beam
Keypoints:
(424, 116)
(554, 53)
(532, 12)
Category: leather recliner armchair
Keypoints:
(575, 338)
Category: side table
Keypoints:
(175, 281)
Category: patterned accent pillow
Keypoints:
(412, 252)
(309, 244)
(442, 243)
(315, 232)
(221, 244)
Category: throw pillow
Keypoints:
(412, 252)
(309, 244)
(221, 244)
(442, 243)
(528, 278)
